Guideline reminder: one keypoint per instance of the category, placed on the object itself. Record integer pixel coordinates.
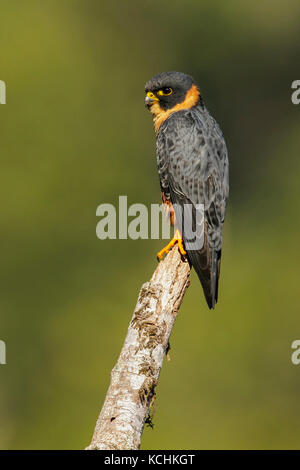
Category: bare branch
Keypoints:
(134, 378)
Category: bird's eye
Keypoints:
(165, 91)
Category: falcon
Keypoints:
(193, 171)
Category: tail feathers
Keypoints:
(207, 266)
(206, 261)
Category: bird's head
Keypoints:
(169, 92)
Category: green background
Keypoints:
(75, 134)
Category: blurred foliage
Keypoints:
(75, 134)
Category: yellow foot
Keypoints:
(176, 239)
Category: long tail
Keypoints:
(206, 263)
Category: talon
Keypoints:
(166, 249)
(176, 239)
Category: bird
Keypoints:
(193, 168)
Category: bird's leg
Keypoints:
(176, 239)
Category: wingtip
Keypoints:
(211, 302)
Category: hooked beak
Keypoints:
(150, 99)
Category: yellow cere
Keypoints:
(152, 96)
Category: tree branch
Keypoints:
(135, 376)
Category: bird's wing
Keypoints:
(193, 169)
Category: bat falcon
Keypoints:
(193, 169)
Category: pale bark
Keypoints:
(135, 376)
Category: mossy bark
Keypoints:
(135, 376)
